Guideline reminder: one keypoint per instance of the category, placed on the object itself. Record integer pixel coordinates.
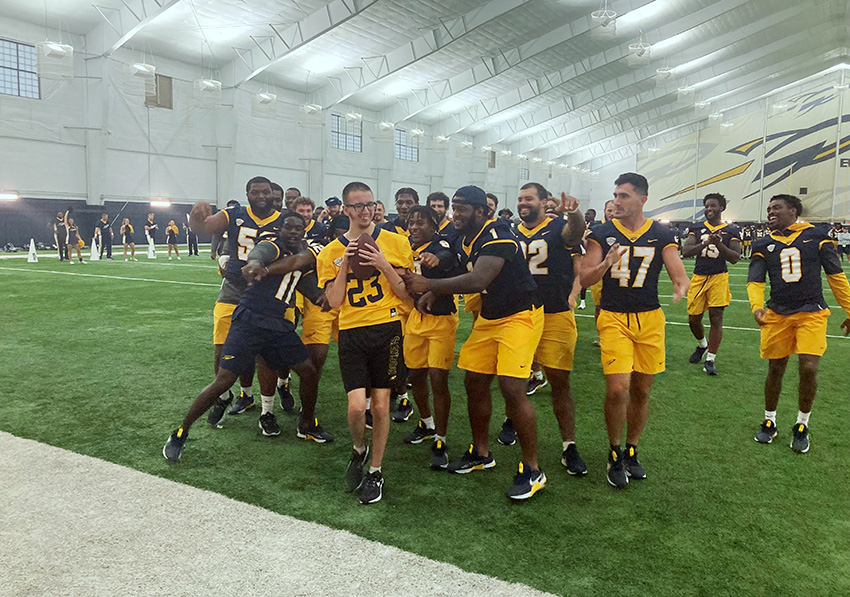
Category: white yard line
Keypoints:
(47, 271)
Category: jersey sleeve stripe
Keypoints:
(499, 241)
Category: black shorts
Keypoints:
(128, 239)
(280, 350)
(372, 356)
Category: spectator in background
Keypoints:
(334, 205)
(380, 212)
(843, 242)
(492, 205)
(150, 229)
(103, 233)
(127, 238)
(191, 240)
(73, 238)
(277, 196)
(171, 232)
(60, 234)
(290, 195)
(506, 214)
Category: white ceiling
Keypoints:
(523, 75)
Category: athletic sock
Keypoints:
(442, 438)
(569, 443)
(710, 356)
(368, 403)
(538, 375)
(702, 342)
(373, 469)
(429, 422)
(770, 415)
(268, 404)
(283, 382)
(359, 450)
(403, 396)
(803, 418)
(249, 391)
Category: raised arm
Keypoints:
(574, 230)
(202, 219)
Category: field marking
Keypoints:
(46, 271)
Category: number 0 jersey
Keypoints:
(631, 284)
(367, 302)
(550, 262)
(513, 289)
(244, 231)
(793, 259)
(709, 261)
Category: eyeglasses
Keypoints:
(358, 207)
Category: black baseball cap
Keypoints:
(333, 201)
(470, 195)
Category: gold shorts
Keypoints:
(798, 333)
(632, 341)
(558, 342)
(221, 321)
(472, 303)
(503, 346)
(596, 293)
(708, 291)
(317, 325)
(429, 341)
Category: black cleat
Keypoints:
(287, 400)
(571, 459)
(268, 423)
(535, 384)
(403, 412)
(709, 368)
(634, 469)
(373, 488)
(439, 456)
(368, 418)
(471, 461)
(800, 442)
(507, 436)
(526, 483)
(173, 448)
(316, 433)
(696, 355)
(354, 472)
(218, 412)
(767, 432)
(242, 404)
(617, 476)
(419, 434)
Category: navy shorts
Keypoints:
(280, 350)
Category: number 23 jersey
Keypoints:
(372, 301)
(631, 284)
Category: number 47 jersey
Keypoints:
(631, 284)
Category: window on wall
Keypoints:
(523, 171)
(347, 135)
(406, 146)
(18, 70)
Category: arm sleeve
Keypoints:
(503, 248)
(325, 269)
(756, 276)
(265, 252)
(308, 285)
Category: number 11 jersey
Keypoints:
(631, 284)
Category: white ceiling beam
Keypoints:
(270, 49)
(378, 68)
(126, 22)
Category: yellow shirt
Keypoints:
(367, 302)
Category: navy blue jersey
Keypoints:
(631, 284)
(244, 231)
(266, 301)
(105, 229)
(448, 231)
(448, 268)
(550, 262)
(396, 226)
(513, 290)
(793, 260)
(316, 232)
(746, 233)
(150, 229)
(709, 261)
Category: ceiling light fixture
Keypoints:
(160, 203)
(9, 196)
(603, 23)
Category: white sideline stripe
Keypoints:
(76, 525)
(725, 327)
(47, 271)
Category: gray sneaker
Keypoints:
(767, 432)
(354, 472)
(800, 442)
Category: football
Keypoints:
(359, 267)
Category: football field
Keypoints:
(103, 359)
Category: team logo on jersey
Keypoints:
(338, 262)
(770, 248)
(610, 240)
(239, 221)
(393, 312)
(444, 244)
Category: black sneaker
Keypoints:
(419, 434)
(242, 404)
(534, 385)
(354, 472)
(173, 448)
(617, 476)
(800, 442)
(507, 436)
(287, 400)
(316, 433)
(471, 461)
(634, 469)
(696, 355)
(439, 456)
(526, 483)
(767, 432)
(709, 368)
(268, 423)
(570, 459)
(373, 488)
(218, 412)
(368, 418)
(403, 412)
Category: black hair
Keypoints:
(233, 203)
(288, 213)
(438, 196)
(257, 180)
(718, 197)
(790, 200)
(542, 193)
(276, 187)
(636, 180)
(354, 186)
(407, 191)
(338, 223)
(506, 211)
(427, 213)
(294, 189)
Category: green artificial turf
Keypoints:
(107, 366)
